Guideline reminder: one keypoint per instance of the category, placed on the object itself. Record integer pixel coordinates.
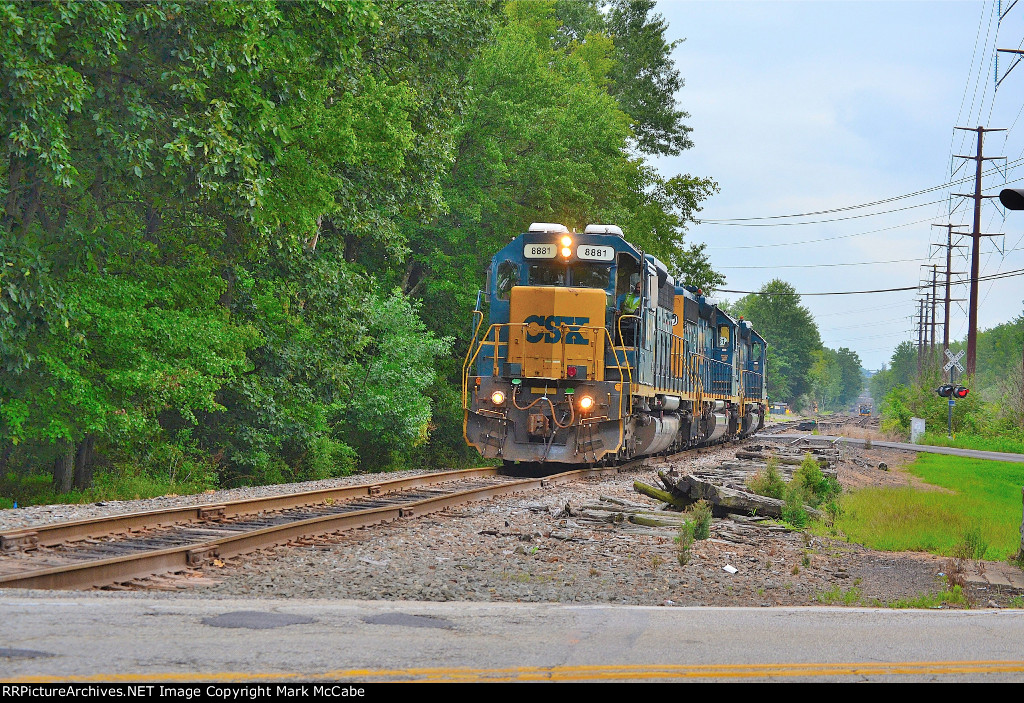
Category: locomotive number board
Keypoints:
(540, 251)
(589, 252)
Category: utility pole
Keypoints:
(921, 335)
(931, 347)
(949, 278)
(976, 235)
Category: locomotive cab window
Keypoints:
(627, 274)
(723, 336)
(591, 275)
(508, 277)
(552, 274)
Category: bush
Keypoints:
(684, 541)
(769, 482)
(817, 487)
(793, 510)
(700, 512)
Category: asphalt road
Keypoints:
(952, 451)
(173, 639)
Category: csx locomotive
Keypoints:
(593, 354)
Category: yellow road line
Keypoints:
(569, 673)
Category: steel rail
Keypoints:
(63, 532)
(101, 572)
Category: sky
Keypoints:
(798, 107)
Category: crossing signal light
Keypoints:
(946, 390)
(960, 392)
(1012, 198)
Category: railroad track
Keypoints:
(120, 548)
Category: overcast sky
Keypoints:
(805, 106)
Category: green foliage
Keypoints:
(233, 235)
(700, 514)
(1010, 441)
(769, 482)
(919, 399)
(837, 595)
(971, 546)
(982, 495)
(815, 486)
(791, 333)
(835, 378)
(901, 372)
(793, 510)
(684, 542)
(954, 596)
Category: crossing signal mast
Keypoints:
(952, 390)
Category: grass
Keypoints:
(986, 501)
(955, 596)
(966, 441)
(849, 596)
(38, 489)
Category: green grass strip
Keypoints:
(987, 497)
(967, 441)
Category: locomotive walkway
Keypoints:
(953, 451)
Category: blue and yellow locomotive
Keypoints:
(592, 353)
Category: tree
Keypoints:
(791, 333)
(901, 371)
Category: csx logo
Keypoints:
(552, 332)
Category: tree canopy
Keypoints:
(236, 237)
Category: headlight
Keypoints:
(566, 241)
(586, 403)
(498, 397)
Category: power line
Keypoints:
(825, 239)
(852, 207)
(1007, 274)
(812, 266)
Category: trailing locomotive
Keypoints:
(592, 354)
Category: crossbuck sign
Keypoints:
(954, 360)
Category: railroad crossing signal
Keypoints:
(950, 391)
(954, 360)
(1012, 198)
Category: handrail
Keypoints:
(601, 332)
(465, 363)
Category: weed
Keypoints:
(684, 541)
(795, 570)
(700, 513)
(867, 443)
(849, 596)
(806, 560)
(656, 561)
(594, 572)
(971, 546)
(1016, 602)
(833, 511)
(955, 596)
